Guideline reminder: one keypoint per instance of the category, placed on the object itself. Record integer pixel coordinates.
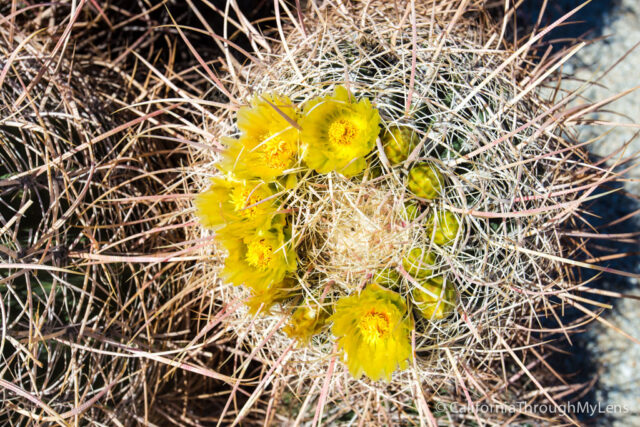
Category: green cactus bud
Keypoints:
(398, 143)
(387, 277)
(425, 181)
(446, 226)
(411, 211)
(419, 262)
(434, 305)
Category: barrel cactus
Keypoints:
(391, 203)
(390, 192)
(361, 212)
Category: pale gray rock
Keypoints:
(616, 359)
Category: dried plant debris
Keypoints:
(92, 314)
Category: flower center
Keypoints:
(374, 326)
(241, 197)
(259, 254)
(342, 132)
(276, 152)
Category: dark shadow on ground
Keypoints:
(581, 361)
(580, 364)
(586, 24)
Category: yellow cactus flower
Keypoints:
(373, 330)
(425, 181)
(436, 303)
(268, 145)
(264, 298)
(236, 205)
(306, 321)
(337, 133)
(419, 263)
(442, 227)
(259, 260)
(398, 143)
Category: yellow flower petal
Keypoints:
(259, 260)
(264, 298)
(268, 145)
(373, 330)
(266, 113)
(236, 205)
(337, 133)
